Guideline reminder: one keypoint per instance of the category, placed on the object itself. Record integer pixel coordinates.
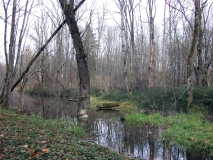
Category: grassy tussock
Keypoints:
(189, 131)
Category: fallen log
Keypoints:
(75, 99)
(108, 106)
(72, 100)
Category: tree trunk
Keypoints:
(124, 47)
(6, 91)
(190, 58)
(84, 97)
(9, 57)
(199, 53)
(152, 43)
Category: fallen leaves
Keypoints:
(36, 153)
(45, 150)
(2, 156)
(25, 146)
(23, 138)
(42, 132)
(44, 142)
(62, 141)
(32, 151)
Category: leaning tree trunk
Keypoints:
(190, 59)
(84, 97)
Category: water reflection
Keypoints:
(46, 107)
(106, 128)
(138, 141)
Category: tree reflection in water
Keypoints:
(139, 141)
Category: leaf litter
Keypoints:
(22, 137)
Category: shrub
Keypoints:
(36, 91)
(116, 94)
(69, 92)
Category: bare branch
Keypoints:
(182, 12)
(42, 48)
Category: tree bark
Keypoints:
(199, 53)
(152, 43)
(84, 97)
(124, 47)
(190, 58)
(9, 57)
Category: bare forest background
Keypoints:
(126, 46)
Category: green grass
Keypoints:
(189, 131)
(142, 118)
(192, 132)
(24, 137)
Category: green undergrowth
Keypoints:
(157, 99)
(24, 137)
(189, 131)
(174, 99)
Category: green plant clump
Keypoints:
(23, 137)
(142, 118)
(189, 131)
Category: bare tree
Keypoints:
(151, 4)
(127, 9)
(84, 97)
(203, 47)
(12, 52)
(123, 44)
(190, 57)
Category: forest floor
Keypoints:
(31, 137)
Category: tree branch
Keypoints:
(181, 11)
(42, 48)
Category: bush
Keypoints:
(36, 91)
(69, 92)
(95, 92)
(203, 97)
(174, 99)
(115, 94)
(161, 99)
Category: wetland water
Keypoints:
(105, 127)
